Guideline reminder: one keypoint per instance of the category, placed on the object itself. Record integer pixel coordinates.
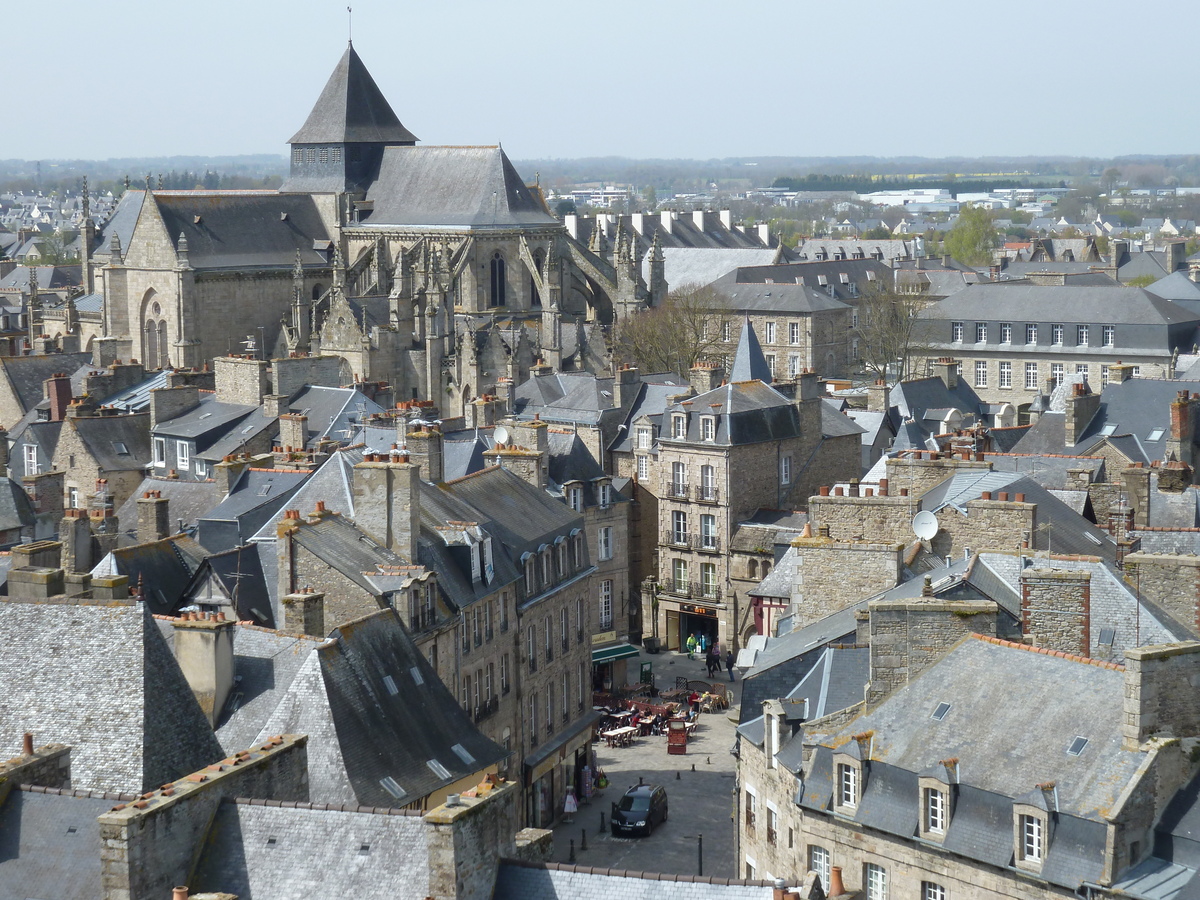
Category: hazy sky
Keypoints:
(642, 78)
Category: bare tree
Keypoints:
(687, 328)
(890, 331)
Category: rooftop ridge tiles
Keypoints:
(1046, 651)
(283, 471)
(1160, 528)
(74, 792)
(988, 453)
(471, 475)
(327, 807)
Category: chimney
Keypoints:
(808, 386)
(227, 472)
(204, 651)
(293, 432)
(1120, 372)
(626, 384)
(1176, 256)
(1160, 685)
(57, 389)
(303, 613)
(387, 502)
(764, 233)
(705, 377)
(110, 587)
(1082, 406)
(727, 219)
(878, 396)
(507, 389)
(425, 451)
(1137, 490)
(241, 380)
(946, 368)
(75, 534)
(275, 405)
(45, 491)
(154, 517)
(698, 219)
(1056, 609)
(1181, 441)
(667, 219)
(169, 403)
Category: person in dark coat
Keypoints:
(729, 663)
(712, 661)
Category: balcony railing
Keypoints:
(709, 543)
(487, 708)
(708, 494)
(694, 590)
(677, 491)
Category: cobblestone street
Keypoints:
(700, 801)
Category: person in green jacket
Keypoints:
(691, 646)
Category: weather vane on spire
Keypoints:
(350, 23)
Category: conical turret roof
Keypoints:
(352, 109)
(749, 364)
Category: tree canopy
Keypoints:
(973, 237)
(687, 328)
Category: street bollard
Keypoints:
(693, 767)
(699, 854)
(678, 777)
(601, 830)
(582, 839)
(571, 858)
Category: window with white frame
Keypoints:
(785, 470)
(678, 426)
(605, 496)
(32, 466)
(1103, 375)
(678, 527)
(1081, 369)
(1031, 837)
(751, 807)
(604, 543)
(1056, 334)
(1082, 335)
(183, 458)
(1006, 332)
(793, 332)
(876, 881)
(932, 891)
(1031, 333)
(981, 332)
(1135, 371)
(679, 573)
(847, 785)
(708, 532)
(772, 825)
(956, 332)
(606, 605)
(160, 451)
(575, 498)
(1109, 333)
(1031, 376)
(73, 497)
(771, 364)
(708, 483)
(644, 437)
(934, 810)
(769, 333)
(1057, 373)
(1005, 374)
(794, 365)
(643, 468)
(678, 479)
(708, 428)
(708, 580)
(725, 331)
(981, 373)
(818, 861)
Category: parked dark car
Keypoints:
(639, 810)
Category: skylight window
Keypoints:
(1156, 434)
(416, 675)
(940, 712)
(462, 753)
(121, 448)
(1109, 430)
(390, 684)
(264, 490)
(390, 785)
(438, 769)
(1077, 746)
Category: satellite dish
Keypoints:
(500, 434)
(925, 525)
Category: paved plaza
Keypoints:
(700, 801)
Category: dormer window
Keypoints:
(1032, 824)
(708, 428)
(1032, 838)
(847, 785)
(644, 437)
(678, 426)
(605, 496)
(933, 810)
(575, 498)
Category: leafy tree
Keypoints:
(973, 237)
(878, 233)
(651, 197)
(1102, 245)
(687, 328)
(1141, 281)
(52, 250)
(890, 332)
(564, 208)
(1109, 179)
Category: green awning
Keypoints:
(617, 651)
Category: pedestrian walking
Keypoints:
(570, 806)
(729, 663)
(712, 661)
(691, 645)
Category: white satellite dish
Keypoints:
(925, 525)
(500, 434)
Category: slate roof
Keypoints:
(240, 577)
(16, 509)
(331, 484)
(1023, 302)
(552, 881)
(750, 411)
(306, 847)
(256, 498)
(1049, 470)
(331, 410)
(340, 544)
(702, 266)
(189, 500)
(1177, 287)
(243, 230)
(565, 397)
(361, 732)
(49, 278)
(105, 436)
(50, 844)
(352, 109)
(163, 568)
(207, 422)
(99, 677)
(784, 661)
(24, 375)
(652, 399)
(465, 187)
(749, 363)
(570, 460)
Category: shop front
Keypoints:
(609, 666)
(683, 619)
(555, 766)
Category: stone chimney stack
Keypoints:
(705, 377)
(57, 389)
(1056, 609)
(1160, 684)
(878, 396)
(204, 651)
(1181, 440)
(426, 452)
(241, 379)
(154, 517)
(1082, 406)
(75, 533)
(946, 368)
(387, 502)
(168, 403)
(1120, 372)
(293, 432)
(626, 384)
(303, 613)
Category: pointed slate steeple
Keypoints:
(749, 364)
(352, 110)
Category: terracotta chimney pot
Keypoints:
(27, 744)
